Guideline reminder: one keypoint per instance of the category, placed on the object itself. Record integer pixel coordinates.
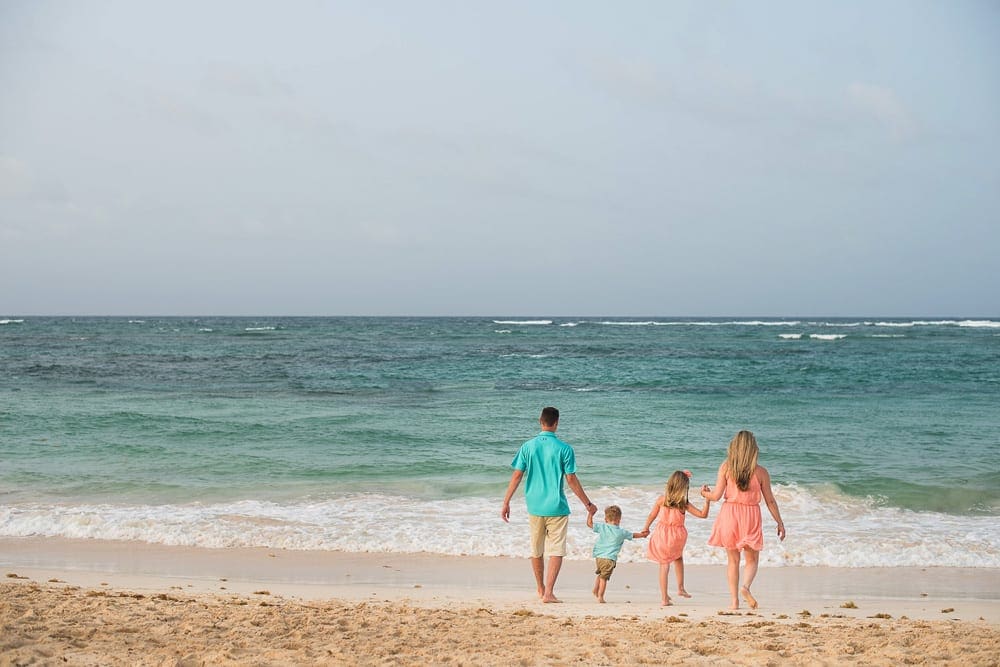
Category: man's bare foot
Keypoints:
(751, 600)
(551, 599)
(666, 603)
(601, 600)
(683, 593)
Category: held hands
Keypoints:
(643, 533)
(705, 490)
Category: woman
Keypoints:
(737, 528)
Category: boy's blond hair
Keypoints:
(613, 513)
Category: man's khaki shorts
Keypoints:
(605, 566)
(548, 535)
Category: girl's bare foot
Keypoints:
(683, 593)
(751, 600)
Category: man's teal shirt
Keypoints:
(545, 460)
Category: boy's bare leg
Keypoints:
(597, 587)
(555, 564)
(601, 587)
(679, 571)
(538, 567)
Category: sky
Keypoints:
(500, 158)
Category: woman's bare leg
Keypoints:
(733, 576)
(749, 574)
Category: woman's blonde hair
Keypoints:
(676, 493)
(741, 460)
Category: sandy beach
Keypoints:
(99, 603)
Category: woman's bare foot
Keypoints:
(683, 593)
(751, 600)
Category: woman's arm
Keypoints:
(772, 505)
(652, 514)
(720, 485)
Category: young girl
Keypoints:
(738, 527)
(666, 544)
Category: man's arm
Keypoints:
(574, 483)
(515, 481)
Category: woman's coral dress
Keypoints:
(738, 523)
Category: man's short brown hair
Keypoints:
(550, 416)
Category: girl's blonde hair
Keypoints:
(676, 493)
(741, 460)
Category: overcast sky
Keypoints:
(500, 158)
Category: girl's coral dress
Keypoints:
(738, 523)
(666, 544)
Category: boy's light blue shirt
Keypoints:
(609, 540)
(545, 460)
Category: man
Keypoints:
(543, 462)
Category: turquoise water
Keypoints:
(107, 418)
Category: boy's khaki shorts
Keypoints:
(548, 535)
(605, 566)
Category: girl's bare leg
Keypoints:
(733, 576)
(664, 571)
(749, 573)
(679, 571)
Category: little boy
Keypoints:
(609, 543)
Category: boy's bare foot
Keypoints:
(751, 600)
(683, 593)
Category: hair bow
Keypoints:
(687, 473)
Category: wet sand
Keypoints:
(92, 602)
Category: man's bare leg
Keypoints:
(538, 567)
(555, 564)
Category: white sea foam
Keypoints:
(795, 336)
(502, 331)
(828, 336)
(260, 328)
(888, 336)
(824, 528)
(524, 322)
(137, 321)
(570, 324)
(11, 321)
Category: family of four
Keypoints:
(545, 462)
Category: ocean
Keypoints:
(391, 434)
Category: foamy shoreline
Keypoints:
(433, 580)
(108, 603)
